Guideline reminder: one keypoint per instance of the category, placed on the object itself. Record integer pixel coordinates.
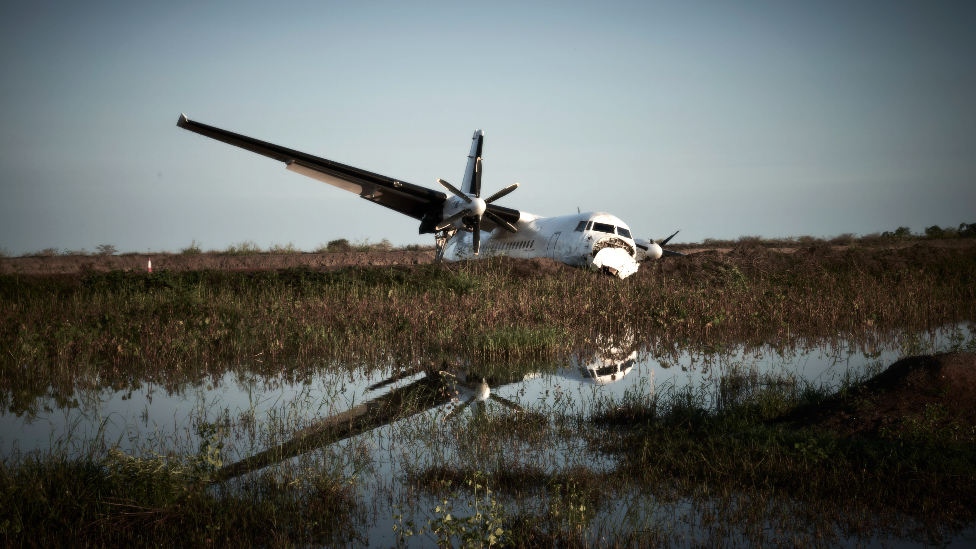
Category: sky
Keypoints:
(720, 119)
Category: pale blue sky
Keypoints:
(720, 119)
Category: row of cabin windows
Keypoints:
(606, 370)
(512, 245)
(602, 228)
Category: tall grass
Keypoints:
(54, 330)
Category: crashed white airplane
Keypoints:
(465, 225)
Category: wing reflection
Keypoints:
(433, 390)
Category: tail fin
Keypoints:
(470, 183)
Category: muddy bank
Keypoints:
(178, 262)
(929, 392)
(700, 263)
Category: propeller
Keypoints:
(668, 239)
(481, 392)
(477, 209)
(669, 253)
(655, 250)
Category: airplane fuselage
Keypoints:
(574, 239)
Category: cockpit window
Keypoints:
(603, 228)
(589, 225)
(579, 228)
(623, 232)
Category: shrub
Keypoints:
(967, 230)
(936, 231)
(747, 240)
(46, 252)
(192, 249)
(283, 250)
(362, 246)
(843, 239)
(336, 246)
(244, 248)
(383, 246)
(899, 234)
(105, 249)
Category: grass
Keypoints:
(740, 454)
(121, 500)
(91, 327)
(719, 453)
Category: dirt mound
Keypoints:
(715, 267)
(927, 391)
(177, 262)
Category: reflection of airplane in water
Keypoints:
(605, 367)
(433, 389)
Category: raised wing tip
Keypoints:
(182, 121)
(478, 133)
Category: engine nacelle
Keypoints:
(647, 249)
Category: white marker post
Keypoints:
(150, 265)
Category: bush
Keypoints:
(899, 234)
(244, 248)
(967, 230)
(105, 249)
(843, 239)
(278, 249)
(335, 246)
(746, 240)
(192, 249)
(809, 240)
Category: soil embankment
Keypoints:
(196, 262)
(928, 392)
(746, 256)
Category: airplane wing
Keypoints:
(418, 202)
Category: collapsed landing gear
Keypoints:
(441, 238)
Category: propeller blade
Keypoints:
(668, 239)
(455, 411)
(477, 178)
(476, 237)
(501, 193)
(393, 379)
(501, 222)
(669, 253)
(456, 192)
(506, 402)
(450, 220)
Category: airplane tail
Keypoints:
(471, 183)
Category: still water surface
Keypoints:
(261, 412)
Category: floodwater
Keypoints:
(259, 413)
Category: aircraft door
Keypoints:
(551, 247)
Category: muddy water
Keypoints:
(256, 414)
